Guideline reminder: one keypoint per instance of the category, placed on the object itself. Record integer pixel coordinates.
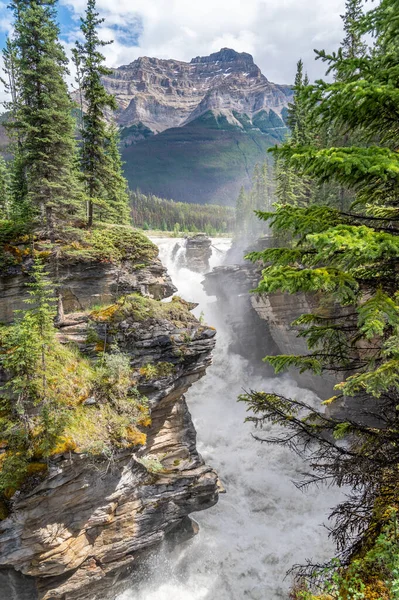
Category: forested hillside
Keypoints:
(150, 212)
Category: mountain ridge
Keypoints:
(163, 93)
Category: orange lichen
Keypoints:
(377, 590)
(64, 445)
(136, 437)
(144, 421)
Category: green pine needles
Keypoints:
(343, 249)
(100, 159)
(46, 184)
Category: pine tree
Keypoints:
(42, 120)
(116, 189)
(100, 162)
(5, 190)
(241, 214)
(353, 45)
(349, 260)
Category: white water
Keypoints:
(263, 524)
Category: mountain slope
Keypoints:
(161, 94)
(194, 131)
(205, 161)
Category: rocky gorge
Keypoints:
(72, 532)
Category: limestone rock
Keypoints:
(198, 251)
(83, 530)
(160, 94)
(84, 283)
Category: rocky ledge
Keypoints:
(78, 532)
(197, 253)
(262, 323)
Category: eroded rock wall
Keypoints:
(77, 534)
(262, 323)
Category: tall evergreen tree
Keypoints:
(101, 169)
(5, 190)
(116, 190)
(349, 260)
(43, 117)
(353, 45)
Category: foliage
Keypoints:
(151, 463)
(259, 198)
(107, 242)
(5, 189)
(100, 159)
(347, 258)
(41, 121)
(373, 576)
(141, 308)
(54, 400)
(150, 212)
(156, 370)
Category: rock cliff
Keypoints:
(262, 323)
(156, 94)
(79, 531)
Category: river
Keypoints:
(263, 524)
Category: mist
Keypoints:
(263, 524)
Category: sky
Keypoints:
(276, 32)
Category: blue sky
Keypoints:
(276, 32)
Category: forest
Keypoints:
(328, 201)
(150, 212)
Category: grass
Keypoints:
(141, 308)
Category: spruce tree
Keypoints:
(353, 45)
(5, 190)
(43, 117)
(116, 189)
(348, 260)
(100, 165)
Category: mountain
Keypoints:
(194, 131)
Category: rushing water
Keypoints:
(263, 524)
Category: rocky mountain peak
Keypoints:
(158, 94)
(225, 55)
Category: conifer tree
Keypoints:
(241, 213)
(42, 119)
(353, 45)
(349, 260)
(5, 190)
(100, 165)
(116, 189)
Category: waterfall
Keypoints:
(263, 525)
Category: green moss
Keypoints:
(141, 308)
(106, 242)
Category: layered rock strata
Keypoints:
(262, 323)
(77, 533)
(159, 94)
(197, 253)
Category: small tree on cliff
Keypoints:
(41, 117)
(349, 260)
(101, 171)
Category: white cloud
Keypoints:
(276, 32)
